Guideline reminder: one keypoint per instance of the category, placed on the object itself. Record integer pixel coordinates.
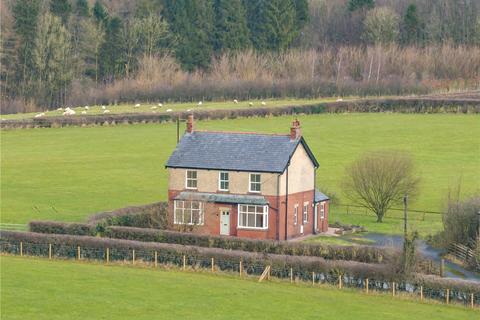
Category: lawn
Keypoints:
(40, 289)
(69, 173)
(147, 107)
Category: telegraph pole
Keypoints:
(405, 216)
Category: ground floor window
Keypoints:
(250, 216)
(322, 210)
(188, 212)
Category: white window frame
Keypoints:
(305, 213)
(199, 211)
(265, 217)
(250, 183)
(187, 179)
(295, 214)
(322, 210)
(224, 181)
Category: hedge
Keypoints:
(316, 269)
(54, 227)
(367, 254)
(403, 105)
(153, 215)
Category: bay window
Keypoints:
(252, 216)
(188, 212)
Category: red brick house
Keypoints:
(245, 184)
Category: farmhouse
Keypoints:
(245, 184)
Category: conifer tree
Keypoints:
(411, 26)
(61, 8)
(231, 32)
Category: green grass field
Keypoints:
(40, 289)
(147, 107)
(69, 173)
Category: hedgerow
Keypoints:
(54, 227)
(367, 254)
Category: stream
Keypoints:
(452, 270)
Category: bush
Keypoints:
(148, 216)
(365, 254)
(53, 227)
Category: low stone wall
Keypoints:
(400, 105)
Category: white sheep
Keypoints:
(39, 115)
(104, 108)
(69, 112)
(250, 104)
(200, 103)
(188, 110)
(154, 108)
(137, 105)
(235, 101)
(59, 109)
(87, 107)
(264, 103)
(169, 110)
(160, 105)
(106, 111)
(339, 100)
(84, 112)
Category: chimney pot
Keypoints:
(190, 123)
(295, 132)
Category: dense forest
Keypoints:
(71, 52)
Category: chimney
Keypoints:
(190, 123)
(295, 132)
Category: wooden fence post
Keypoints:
(447, 297)
(21, 248)
(471, 300)
(313, 278)
(393, 288)
(213, 264)
(291, 275)
(184, 262)
(366, 284)
(156, 258)
(133, 256)
(240, 268)
(340, 282)
(108, 255)
(442, 267)
(421, 293)
(49, 251)
(78, 252)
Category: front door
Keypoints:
(225, 222)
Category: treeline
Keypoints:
(58, 52)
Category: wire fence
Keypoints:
(244, 269)
(393, 213)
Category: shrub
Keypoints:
(152, 215)
(365, 254)
(53, 227)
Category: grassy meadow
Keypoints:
(69, 173)
(40, 289)
(174, 106)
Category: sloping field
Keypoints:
(69, 173)
(41, 289)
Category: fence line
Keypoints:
(154, 257)
(365, 212)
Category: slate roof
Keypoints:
(222, 198)
(235, 151)
(320, 196)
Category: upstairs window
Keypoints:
(305, 212)
(255, 182)
(223, 181)
(191, 179)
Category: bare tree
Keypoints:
(379, 180)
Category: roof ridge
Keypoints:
(243, 132)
